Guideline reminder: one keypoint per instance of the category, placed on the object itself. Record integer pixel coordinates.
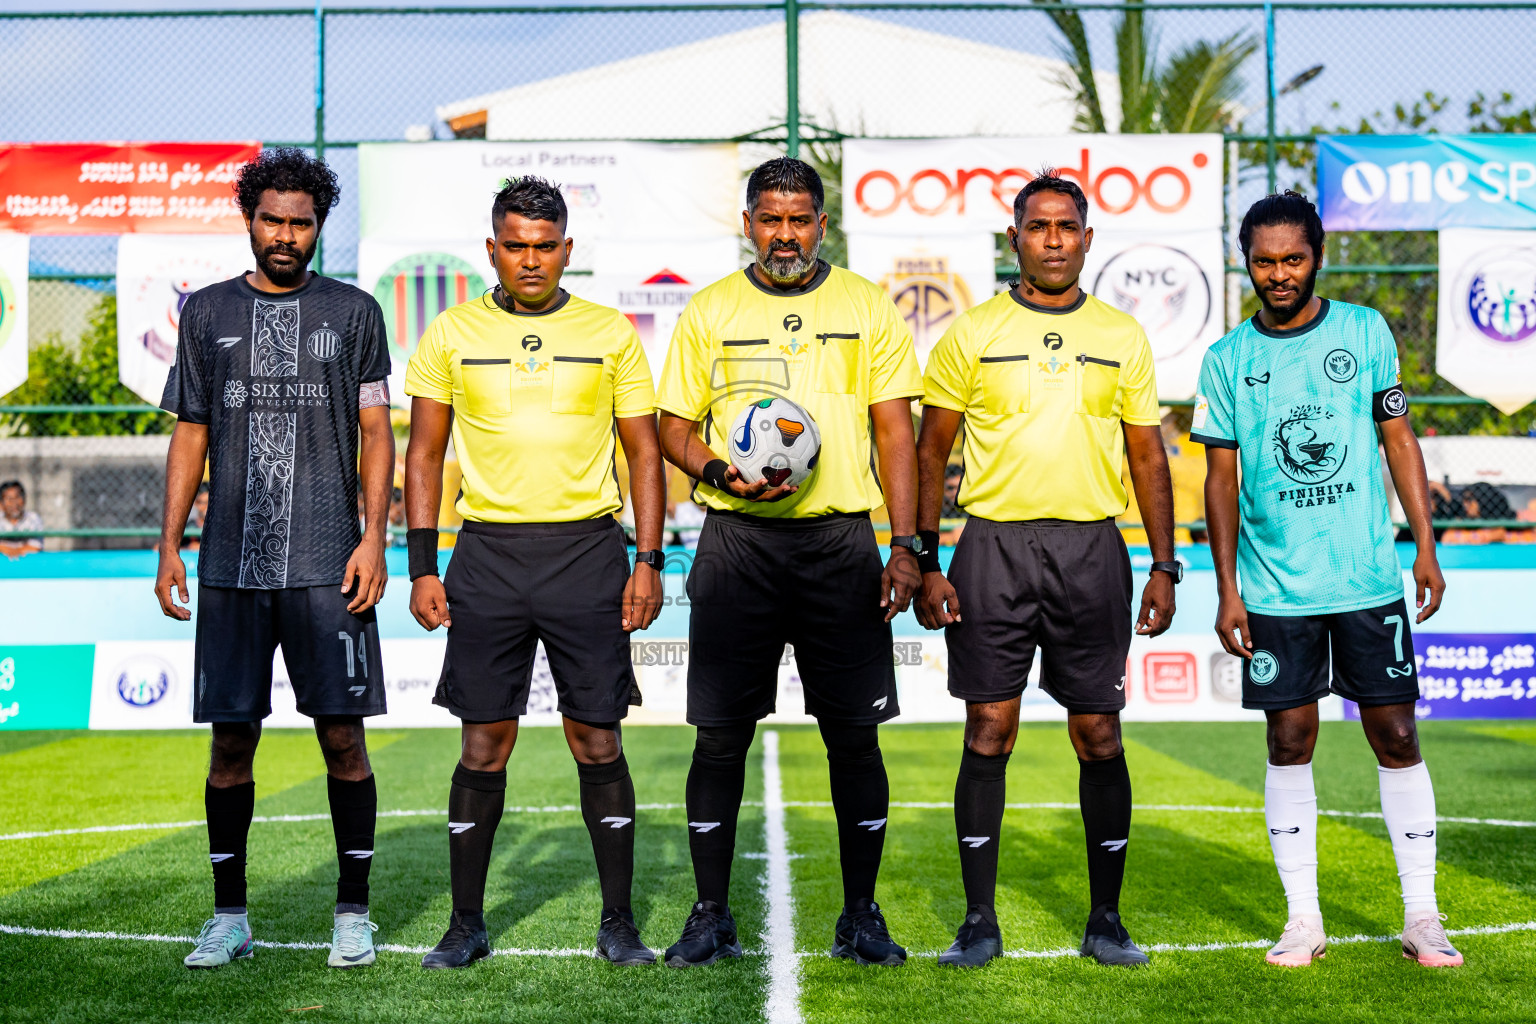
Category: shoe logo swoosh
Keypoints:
(355, 959)
(744, 442)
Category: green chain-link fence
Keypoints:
(91, 453)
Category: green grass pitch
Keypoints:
(1198, 876)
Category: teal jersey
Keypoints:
(1301, 408)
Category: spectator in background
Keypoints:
(950, 508)
(397, 523)
(1479, 501)
(16, 522)
(194, 541)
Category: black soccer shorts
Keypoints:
(1372, 658)
(511, 585)
(1061, 586)
(332, 655)
(758, 584)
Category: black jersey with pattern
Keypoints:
(275, 376)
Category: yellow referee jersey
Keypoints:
(836, 346)
(534, 398)
(1044, 392)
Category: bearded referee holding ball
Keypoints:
(777, 565)
(1053, 386)
(533, 383)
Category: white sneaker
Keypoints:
(1300, 943)
(1424, 940)
(224, 937)
(352, 941)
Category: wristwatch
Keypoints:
(911, 543)
(1174, 569)
(654, 559)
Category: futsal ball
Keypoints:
(775, 440)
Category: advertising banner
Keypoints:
(156, 274)
(114, 188)
(931, 278)
(1473, 675)
(652, 302)
(45, 686)
(1426, 182)
(1486, 329)
(13, 311)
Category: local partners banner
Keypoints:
(1426, 182)
(646, 218)
(13, 311)
(156, 274)
(924, 217)
(1486, 337)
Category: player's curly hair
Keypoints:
(1286, 207)
(287, 170)
(1048, 180)
(789, 176)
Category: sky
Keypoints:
(252, 76)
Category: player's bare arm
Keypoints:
(430, 423)
(892, 421)
(642, 451)
(685, 449)
(1221, 528)
(183, 472)
(1148, 462)
(1406, 462)
(937, 604)
(376, 472)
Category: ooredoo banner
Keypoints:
(14, 250)
(115, 188)
(1426, 182)
(1486, 329)
(156, 274)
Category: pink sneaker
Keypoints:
(1424, 940)
(1302, 942)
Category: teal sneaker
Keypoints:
(352, 941)
(224, 937)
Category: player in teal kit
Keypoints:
(1296, 396)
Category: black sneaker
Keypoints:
(709, 935)
(977, 941)
(1106, 940)
(462, 944)
(861, 936)
(618, 940)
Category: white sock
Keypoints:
(1408, 806)
(1290, 812)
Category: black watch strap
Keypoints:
(655, 559)
(1174, 569)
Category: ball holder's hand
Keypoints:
(755, 491)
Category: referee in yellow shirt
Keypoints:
(1046, 379)
(777, 566)
(532, 383)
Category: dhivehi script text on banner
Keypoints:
(14, 250)
(1426, 182)
(1486, 335)
(115, 188)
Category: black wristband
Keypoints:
(928, 561)
(421, 545)
(713, 474)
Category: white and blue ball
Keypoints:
(775, 440)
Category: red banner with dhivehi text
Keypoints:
(118, 188)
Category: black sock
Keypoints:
(1104, 792)
(861, 797)
(715, 784)
(608, 807)
(354, 809)
(475, 803)
(980, 791)
(229, 822)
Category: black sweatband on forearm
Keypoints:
(421, 544)
(928, 561)
(713, 474)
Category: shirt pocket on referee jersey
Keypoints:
(1097, 381)
(578, 380)
(1004, 384)
(837, 363)
(487, 386)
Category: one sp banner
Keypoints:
(1426, 182)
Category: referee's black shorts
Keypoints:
(511, 585)
(758, 584)
(1059, 585)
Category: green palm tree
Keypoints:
(1195, 90)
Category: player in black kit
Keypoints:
(279, 374)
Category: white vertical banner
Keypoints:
(13, 310)
(1486, 338)
(932, 279)
(156, 274)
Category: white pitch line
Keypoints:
(61, 933)
(936, 805)
(783, 1004)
